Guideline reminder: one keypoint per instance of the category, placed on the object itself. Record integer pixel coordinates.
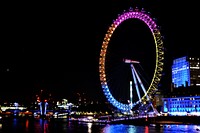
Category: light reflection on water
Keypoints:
(64, 126)
(121, 128)
(151, 129)
(181, 128)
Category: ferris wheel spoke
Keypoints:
(140, 82)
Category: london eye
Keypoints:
(126, 48)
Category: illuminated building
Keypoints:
(182, 106)
(184, 96)
(186, 72)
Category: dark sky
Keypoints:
(55, 46)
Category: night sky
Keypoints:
(56, 46)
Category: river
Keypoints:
(45, 126)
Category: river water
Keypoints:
(64, 126)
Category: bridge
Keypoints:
(144, 120)
(159, 120)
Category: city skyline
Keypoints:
(55, 48)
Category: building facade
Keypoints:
(186, 72)
(184, 96)
(182, 106)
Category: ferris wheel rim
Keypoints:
(141, 15)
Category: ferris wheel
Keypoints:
(106, 69)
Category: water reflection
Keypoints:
(124, 129)
(46, 126)
(146, 129)
(27, 125)
(89, 127)
(151, 129)
(181, 128)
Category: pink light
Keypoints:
(130, 61)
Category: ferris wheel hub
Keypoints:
(130, 61)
